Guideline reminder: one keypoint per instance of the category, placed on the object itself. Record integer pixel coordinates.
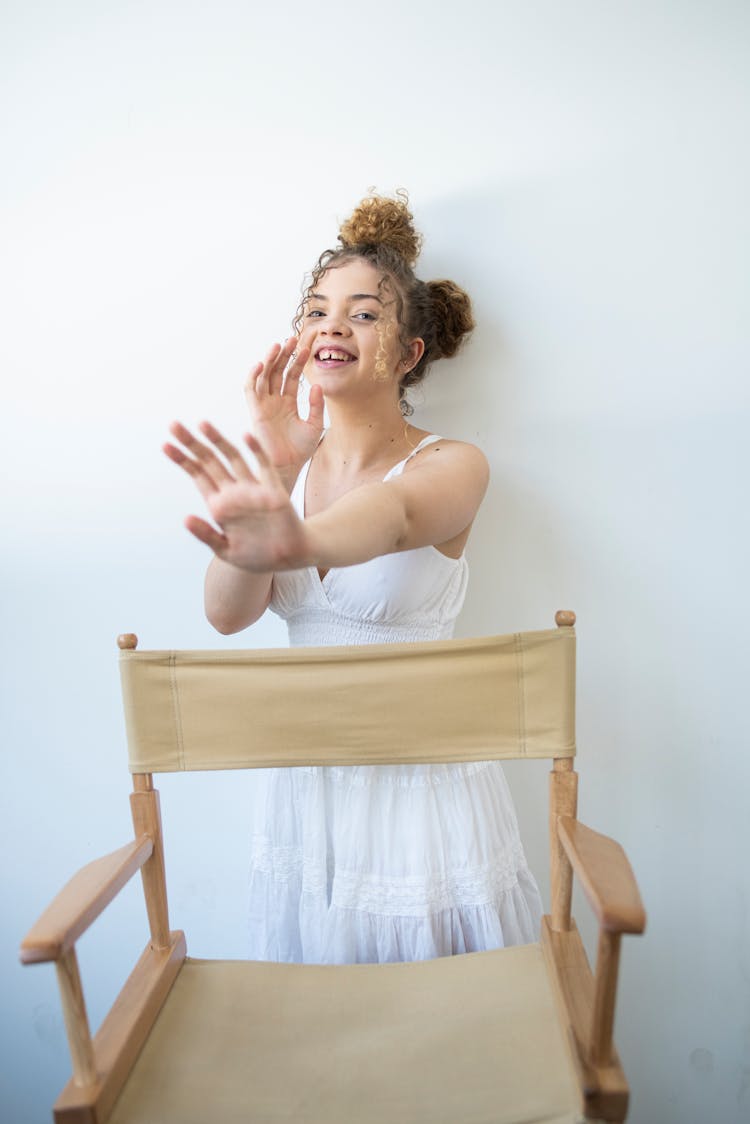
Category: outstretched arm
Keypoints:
(432, 504)
(256, 528)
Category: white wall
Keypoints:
(169, 172)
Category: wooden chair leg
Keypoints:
(76, 1019)
(605, 990)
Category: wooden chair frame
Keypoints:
(101, 1063)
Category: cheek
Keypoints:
(388, 345)
(305, 335)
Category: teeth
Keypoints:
(327, 353)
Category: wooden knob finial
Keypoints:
(127, 641)
(565, 618)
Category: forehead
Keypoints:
(356, 276)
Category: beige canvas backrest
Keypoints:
(491, 698)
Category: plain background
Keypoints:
(170, 170)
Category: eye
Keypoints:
(314, 313)
(365, 316)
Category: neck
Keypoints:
(363, 439)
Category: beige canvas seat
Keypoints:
(518, 1035)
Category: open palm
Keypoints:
(272, 396)
(256, 527)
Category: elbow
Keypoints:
(228, 623)
(231, 601)
(224, 625)
(228, 619)
(226, 628)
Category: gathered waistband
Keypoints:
(320, 628)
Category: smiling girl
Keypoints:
(356, 535)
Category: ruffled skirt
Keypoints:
(379, 863)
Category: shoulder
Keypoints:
(458, 456)
(448, 472)
(441, 489)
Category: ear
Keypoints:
(414, 353)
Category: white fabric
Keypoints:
(382, 863)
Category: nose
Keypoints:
(333, 325)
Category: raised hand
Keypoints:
(257, 529)
(271, 391)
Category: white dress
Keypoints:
(381, 863)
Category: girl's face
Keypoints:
(349, 324)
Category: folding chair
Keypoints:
(516, 1035)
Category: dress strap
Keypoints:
(399, 468)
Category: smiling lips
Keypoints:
(329, 357)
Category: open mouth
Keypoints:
(332, 357)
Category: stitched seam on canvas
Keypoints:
(520, 670)
(176, 708)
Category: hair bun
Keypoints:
(453, 315)
(379, 220)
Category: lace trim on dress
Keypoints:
(286, 865)
(390, 895)
(414, 896)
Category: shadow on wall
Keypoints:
(518, 548)
(485, 395)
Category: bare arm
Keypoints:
(234, 599)
(257, 529)
(427, 506)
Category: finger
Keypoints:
(205, 484)
(207, 534)
(276, 376)
(230, 452)
(293, 375)
(267, 473)
(262, 381)
(251, 379)
(202, 453)
(315, 417)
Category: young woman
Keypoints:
(356, 535)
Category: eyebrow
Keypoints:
(353, 297)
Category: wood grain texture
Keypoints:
(76, 1019)
(604, 1090)
(81, 901)
(605, 994)
(606, 876)
(144, 806)
(122, 1035)
(563, 801)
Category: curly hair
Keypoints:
(380, 231)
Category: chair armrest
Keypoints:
(606, 876)
(81, 901)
